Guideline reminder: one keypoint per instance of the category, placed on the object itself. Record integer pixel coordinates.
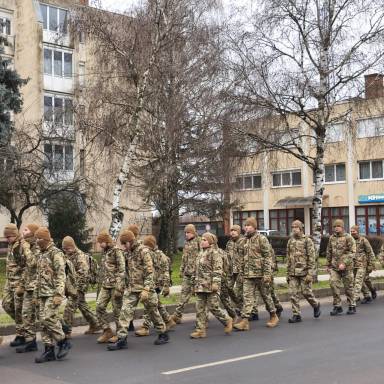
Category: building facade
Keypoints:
(277, 188)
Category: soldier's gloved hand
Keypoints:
(267, 279)
(215, 287)
(308, 279)
(35, 301)
(57, 300)
(19, 291)
(165, 291)
(144, 295)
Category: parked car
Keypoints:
(269, 232)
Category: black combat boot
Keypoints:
(29, 346)
(366, 300)
(131, 327)
(163, 338)
(279, 310)
(351, 310)
(64, 347)
(47, 355)
(295, 319)
(316, 311)
(19, 340)
(254, 317)
(336, 311)
(374, 293)
(121, 343)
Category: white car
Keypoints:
(268, 232)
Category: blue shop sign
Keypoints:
(366, 199)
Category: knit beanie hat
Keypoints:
(134, 229)
(210, 237)
(190, 228)
(338, 223)
(104, 237)
(150, 241)
(68, 242)
(126, 236)
(11, 230)
(251, 221)
(236, 228)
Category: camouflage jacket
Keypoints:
(80, 262)
(209, 270)
(29, 276)
(235, 250)
(17, 256)
(257, 257)
(161, 264)
(301, 256)
(381, 254)
(227, 265)
(50, 272)
(188, 260)
(364, 257)
(112, 269)
(341, 249)
(141, 272)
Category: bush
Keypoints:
(376, 243)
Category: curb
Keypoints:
(6, 330)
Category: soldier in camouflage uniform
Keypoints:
(141, 288)
(28, 284)
(18, 252)
(207, 281)
(275, 298)
(50, 287)
(81, 265)
(187, 269)
(257, 272)
(362, 263)
(112, 285)
(301, 258)
(162, 282)
(341, 250)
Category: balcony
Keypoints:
(58, 131)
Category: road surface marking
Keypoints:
(222, 362)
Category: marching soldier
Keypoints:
(207, 281)
(275, 298)
(81, 266)
(18, 253)
(340, 253)
(257, 273)
(187, 269)
(50, 287)
(141, 288)
(300, 264)
(112, 284)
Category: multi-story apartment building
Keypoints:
(54, 57)
(277, 188)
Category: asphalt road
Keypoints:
(345, 349)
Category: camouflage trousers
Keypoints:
(13, 306)
(226, 300)
(185, 295)
(359, 276)
(74, 303)
(367, 287)
(337, 280)
(163, 313)
(252, 287)
(50, 322)
(106, 295)
(130, 302)
(209, 302)
(274, 296)
(238, 291)
(30, 315)
(297, 285)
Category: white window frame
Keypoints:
(64, 144)
(242, 176)
(335, 181)
(370, 170)
(62, 51)
(377, 130)
(53, 122)
(334, 133)
(290, 171)
(50, 8)
(3, 25)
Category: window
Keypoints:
(334, 173)
(286, 178)
(334, 133)
(370, 170)
(370, 127)
(248, 182)
(370, 219)
(57, 63)
(329, 215)
(281, 219)
(288, 138)
(54, 19)
(59, 157)
(239, 218)
(5, 26)
(58, 110)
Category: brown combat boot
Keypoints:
(170, 324)
(113, 339)
(242, 325)
(143, 331)
(198, 334)
(107, 334)
(229, 326)
(176, 318)
(273, 321)
(93, 329)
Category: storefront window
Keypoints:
(239, 218)
(329, 215)
(281, 219)
(370, 220)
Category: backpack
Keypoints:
(93, 274)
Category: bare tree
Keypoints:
(292, 64)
